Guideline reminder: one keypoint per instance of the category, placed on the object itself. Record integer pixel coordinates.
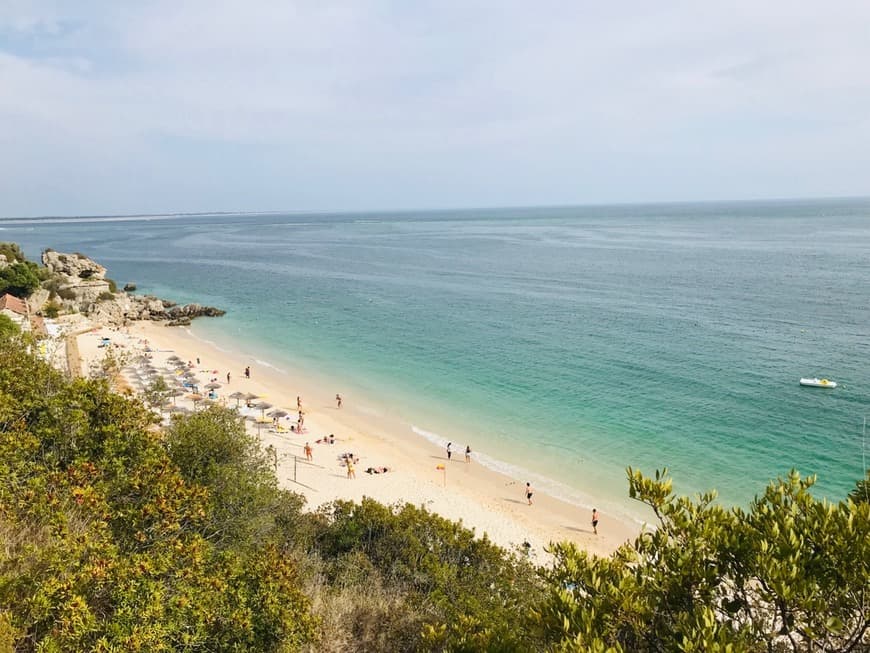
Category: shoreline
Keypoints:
(487, 500)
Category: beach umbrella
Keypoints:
(196, 398)
(238, 396)
(174, 359)
(251, 396)
(212, 386)
(263, 406)
(278, 413)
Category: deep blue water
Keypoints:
(568, 341)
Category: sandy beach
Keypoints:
(419, 472)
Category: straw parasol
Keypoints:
(278, 413)
(238, 396)
(212, 386)
(263, 406)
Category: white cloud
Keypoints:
(432, 94)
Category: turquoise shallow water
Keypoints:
(571, 342)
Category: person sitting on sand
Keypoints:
(331, 439)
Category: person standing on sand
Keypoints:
(529, 493)
(248, 372)
(595, 521)
(338, 400)
(299, 403)
(449, 452)
(351, 472)
(228, 378)
(308, 455)
(468, 453)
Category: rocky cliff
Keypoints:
(77, 283)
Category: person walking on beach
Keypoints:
(468, 453)
(338, 400)
(595, 521)
(351, 472)
(248, 372)
(529, 493)
(449, 452)
(299, 403)
(308, 454)
(228, 378)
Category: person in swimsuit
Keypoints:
(449, 452)
(308, 454)
(468, 453)
(529, 493)
(228, 378)
(351, 471)
(248, 372)
(595, 521)
(338, 400)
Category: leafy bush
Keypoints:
(67, 293)
(102, 545)
(105, 296)
(51, 310)
(12, 252)
(791, 572)
(19, 279)
(8, 328)
(113, 287)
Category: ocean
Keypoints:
(564, 344)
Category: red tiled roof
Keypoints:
(13, 304)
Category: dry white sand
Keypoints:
(482, 499)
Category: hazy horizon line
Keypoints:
(171, 214)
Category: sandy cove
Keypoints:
(482, 499)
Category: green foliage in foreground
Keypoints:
(8, 328)
(790, 574)
(120, 536)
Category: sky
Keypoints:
(208, 105)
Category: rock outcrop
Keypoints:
(78, 284)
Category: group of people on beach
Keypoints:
(467, 452)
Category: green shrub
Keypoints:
(105, 296)
(51, 309)
(112, 285)
(8, 328)
(67, 293)
(19, 279)
(12, 252)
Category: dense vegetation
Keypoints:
(19, 276)
(121, 536)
